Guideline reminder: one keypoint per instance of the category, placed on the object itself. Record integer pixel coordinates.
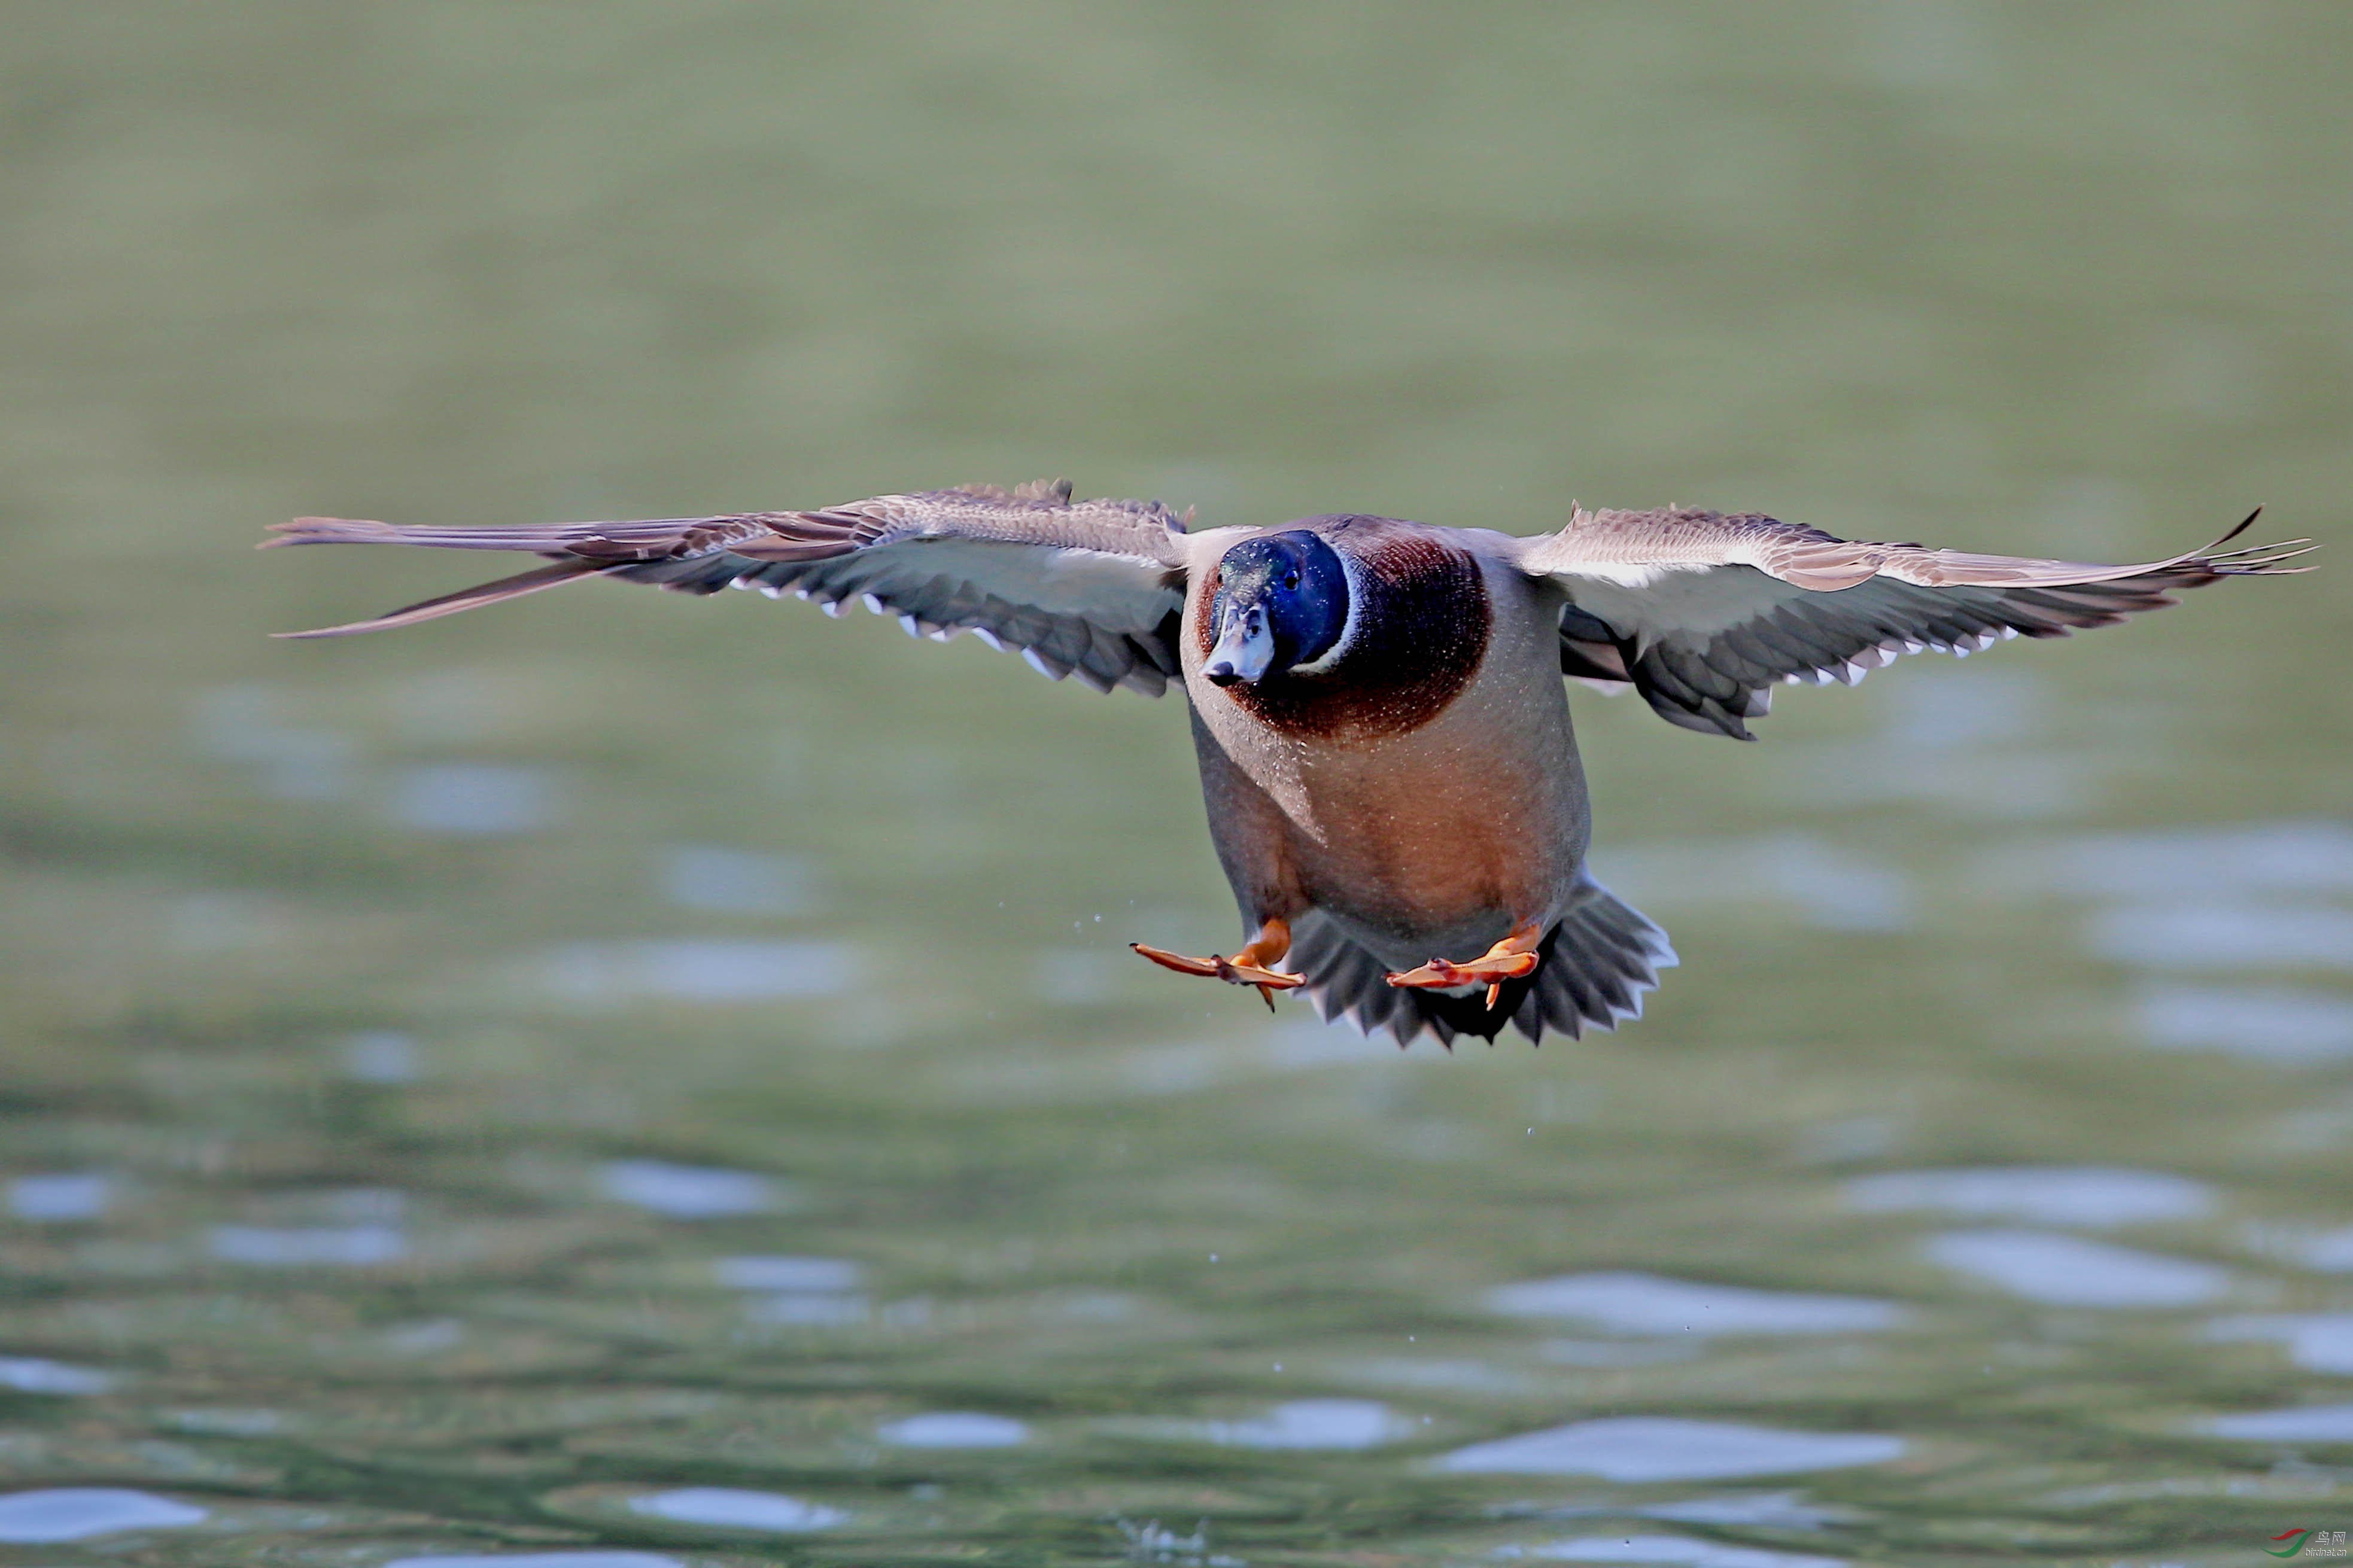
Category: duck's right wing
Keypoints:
(1703, 613)
(1087, 588)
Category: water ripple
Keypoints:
(2227, 936)
(590, 1559)
(30, 1374)
(474, 800)
(1634, 1304)
(1675, 1548)
(306, 1246)
(955, 1429)
(688, 1192)
(2317, 1341)
(1314, 1424)
(1660, 1449)
(2304, 1423)
(2068, 1271)
(2271, 1024)
(789, 1273)
(2061, 1194)
(76, 1513)
(729, 1508)
(60, 1198)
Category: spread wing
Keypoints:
(1090, 588)
(1703, 613)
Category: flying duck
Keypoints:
(1384, 738)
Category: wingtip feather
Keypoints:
(326, 530)
(481, 594)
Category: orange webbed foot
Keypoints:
(1507, 960)
(1247, 967)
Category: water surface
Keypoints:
(620, 1081)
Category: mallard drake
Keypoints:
(1392, 780)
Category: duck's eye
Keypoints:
(1291, 581)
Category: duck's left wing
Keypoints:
(1703, 613)
(1088, 588)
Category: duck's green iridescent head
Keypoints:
(1282, 602)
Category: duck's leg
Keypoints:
(1247, 967)
(1508, 959)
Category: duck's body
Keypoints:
(1367, 805)
(1377, 708)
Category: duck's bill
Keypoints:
(1245, 648)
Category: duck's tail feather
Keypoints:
(1602, 957)
(1592, 969)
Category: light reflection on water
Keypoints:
(2270, 1024)
(266, 1246)
(728, 1508)
(2330, 1251)
(380, 1056)
(79, 1513)
(793, 1274)
(2308, 856)
(811, 1309)
(1642, 1449)
(690, 1192)
(59, 1199)
(1778, 1510)
(2068, 1271)
(955, 1429)
(31, 1374)
(2228, 936)
(1314, 1424)
(629, 1082)
(1675, 1548)
(246, 725)
(592, 1559)
(1628, 1303)
(2080, 1196)
(473, 799)
(2307, 1423)
(2316, 1341)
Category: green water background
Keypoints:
(358, 982)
